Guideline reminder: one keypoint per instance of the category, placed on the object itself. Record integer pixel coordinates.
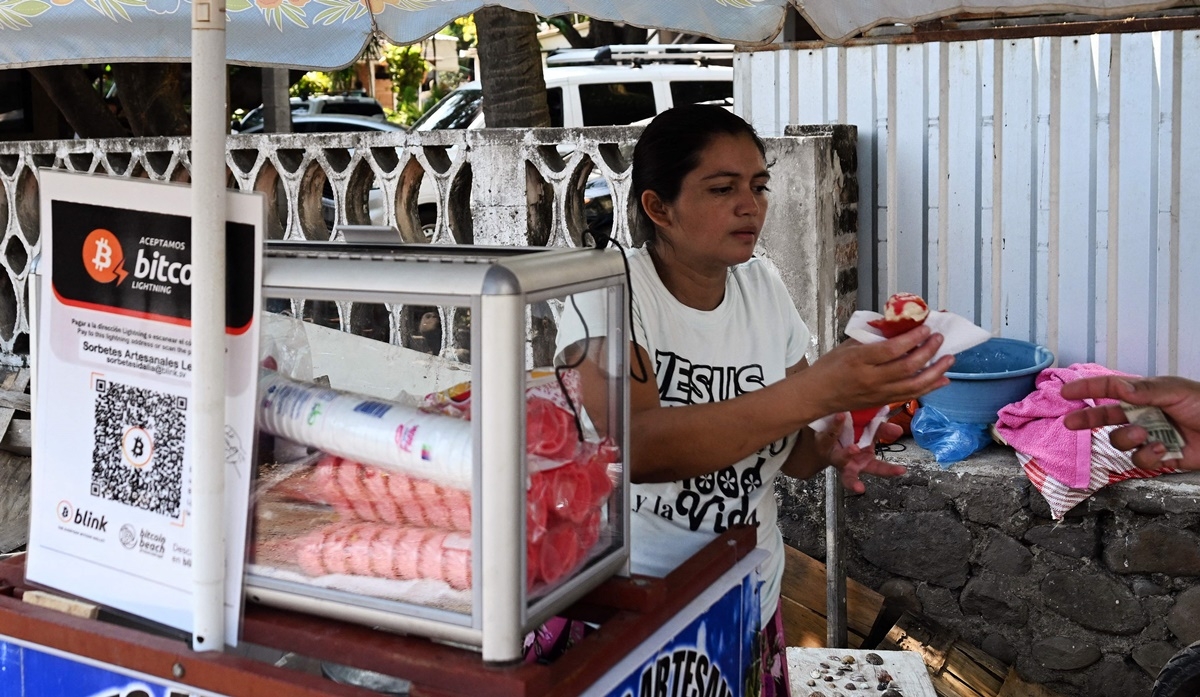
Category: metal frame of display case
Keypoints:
(497, 283)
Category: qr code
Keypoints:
(138, 455)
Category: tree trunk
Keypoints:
(152, 98)
(603, 33)
(81, 105)
(514, 89)
(569, 32)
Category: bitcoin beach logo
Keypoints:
(103, 257)
(128, 536)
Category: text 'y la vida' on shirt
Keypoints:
(746, 343)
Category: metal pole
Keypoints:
(502, 538)
(835, 567)
(208, 324)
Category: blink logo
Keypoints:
(69, 514)
(89, 520)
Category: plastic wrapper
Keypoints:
(550, 429)
(386, 551)
(376, 494)
(369, 493)
(429, 442)
(949, 441)
(389, 499)
(284, 346)
(417, 529)
(373, 431)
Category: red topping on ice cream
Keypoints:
(903, 312)
(860, 418)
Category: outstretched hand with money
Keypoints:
(1153, 439)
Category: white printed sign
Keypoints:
(113, 444)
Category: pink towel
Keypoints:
(1033, 426)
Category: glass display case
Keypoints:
(431, 461)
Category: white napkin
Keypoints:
(959, 334)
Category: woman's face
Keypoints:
(719, 213)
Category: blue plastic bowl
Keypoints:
(987, 377)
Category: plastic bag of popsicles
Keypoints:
(395, 520)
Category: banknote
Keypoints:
(1158, 426)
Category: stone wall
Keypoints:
(1092, 605)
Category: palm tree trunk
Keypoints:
(510, 63)
(152, 98)
(81, 105)
(607, 33)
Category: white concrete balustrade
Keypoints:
(493, 187)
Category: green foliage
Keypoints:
(464, 29)
(445, 84)
(405, 67)
(311, 83)
(407, 109)
(410, 107)
(343, 80)
(316, 82)
(407, 70)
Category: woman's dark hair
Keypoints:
(670, 146)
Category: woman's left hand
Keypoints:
(852, 461)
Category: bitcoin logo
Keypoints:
(137, 446)
(103, 258)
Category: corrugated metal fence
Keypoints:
(1048, 188)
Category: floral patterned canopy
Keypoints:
(837, 20)
(318, 33)
(331, 33)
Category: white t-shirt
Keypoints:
(746, 343)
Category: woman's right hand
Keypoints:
(856, 376)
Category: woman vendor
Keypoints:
(732, 395)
